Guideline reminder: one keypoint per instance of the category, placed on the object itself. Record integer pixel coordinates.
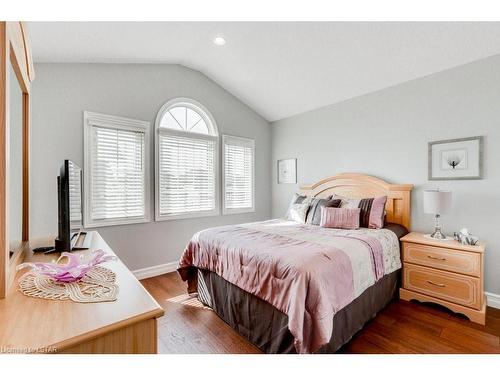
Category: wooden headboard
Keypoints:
(356, 185)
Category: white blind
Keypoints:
(238, 173)
(75, 197)
(187, 174)
(117, 174)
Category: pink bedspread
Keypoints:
(298, 269)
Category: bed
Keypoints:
(297, 288)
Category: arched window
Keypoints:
(187, 116)
(186, 146)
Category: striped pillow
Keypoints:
(315, 205)
(342, 218)
(372, 210)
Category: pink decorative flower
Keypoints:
(71, 271)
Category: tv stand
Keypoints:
(45, 249)
(79, 241)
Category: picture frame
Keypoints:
(456, 159)
(287, 171)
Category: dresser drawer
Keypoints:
(444, 259)
(460, 289)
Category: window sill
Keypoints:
(109, 223)
(235, 211)
(193, 215)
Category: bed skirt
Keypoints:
(267, 328)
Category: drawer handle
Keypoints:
(436, 258)
(436, 284)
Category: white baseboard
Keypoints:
(493, 300)
(153, 271)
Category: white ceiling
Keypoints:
(278, 69)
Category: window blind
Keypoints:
(238, 174)
(117, 174)
(75, 197)
(187, 174)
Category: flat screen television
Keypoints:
(70, 210)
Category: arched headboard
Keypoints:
(356, 185)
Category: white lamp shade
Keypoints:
(437, 202)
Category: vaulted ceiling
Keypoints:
(278, 69)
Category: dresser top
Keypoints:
(29, 323)
(420, 238)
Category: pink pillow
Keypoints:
(342, 218)
(372, 210)
(377, 213)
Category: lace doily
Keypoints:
(98, 285)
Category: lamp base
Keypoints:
(438, 239)
(438, 235)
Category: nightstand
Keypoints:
(444, 272)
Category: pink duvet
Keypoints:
(306, 272)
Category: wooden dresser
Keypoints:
(34, 325)
(444, 272)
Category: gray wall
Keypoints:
(61, 92)
(385, 134)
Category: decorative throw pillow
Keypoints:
(342, 218)
(372, 210)
(298, 212)
(315, 204)
(297, 198)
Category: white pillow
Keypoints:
(298, 212)
(297, 198)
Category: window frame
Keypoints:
(232, 211)
(210, 121)
(91, 119)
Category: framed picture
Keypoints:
(456, 159)
(287, 171)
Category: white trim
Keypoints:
(493, 300)
(189, 215)
(246, 141)
(210, 121)
(153, 271)
(91, 119)
(182, 133)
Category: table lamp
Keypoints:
(437, 202)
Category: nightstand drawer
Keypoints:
(444, 259)
(460, 289)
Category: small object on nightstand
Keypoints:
(437, 202)
(444, 272)
(470, 240)
(466, 238)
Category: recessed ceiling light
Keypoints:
(219, 40)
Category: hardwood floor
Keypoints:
(188, 326)
(402, 327)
